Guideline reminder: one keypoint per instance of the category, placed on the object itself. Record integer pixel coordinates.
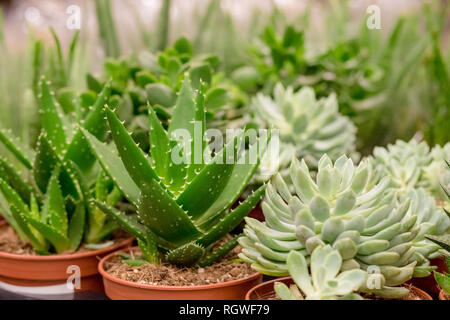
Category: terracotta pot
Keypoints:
(428, 284)
(2, 222)
(34, 271)
(443, 296)
(118, 289)
(265, 290)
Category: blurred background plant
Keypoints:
(393, 83)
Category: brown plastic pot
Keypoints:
(118, 289)
(428, 284)
(34, 271)
(265, 290)
(443, 296)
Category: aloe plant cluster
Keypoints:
(183, 209)
(370, 225)
(48, 203)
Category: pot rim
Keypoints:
(418, 291)
(111, 278)
(63, 257)
(442, 295)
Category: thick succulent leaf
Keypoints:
(44, 163)
(133, 158)
(60, 241)
(182, 123)
(78, 150)
(186, 255)
(219, 253)
(298, 270)
(211, 181)
(240, 177)
(158, 93)
(32, 235)
(54, 212)
(184, 112)
(159, 145)
(232, 220)
(115, 168)
(76, 226)
(443, 280)
(164, 217)
(10, 175)
(52, 119)
(22, 152)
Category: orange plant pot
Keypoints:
(118, 289)
(35, 271)
(442, 295)
(265, 290)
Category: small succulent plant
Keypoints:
(308, 128)
(326, 282)
(412, 165)
(183, 209)
(48, 204)
(370, 225)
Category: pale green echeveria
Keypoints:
(412, 165)
(308, 127)
(431, 220)
(367, 224)
(326, 281)
(338, 190)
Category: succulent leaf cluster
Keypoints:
(308, 127)
(49, 202)
(370, 225)
(183, 208)
(326, 282)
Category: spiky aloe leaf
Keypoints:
(44, 163)
(133, 158)
(9, 174)
(443, 280)
(186, 255)
(165, 218)
(159, 144)
(22, 152)
(215, 175)
(115, 168)
(128, 222)
(54, 211)
(241, 175)
(60, 241)
(78, 150)
(183, 121)
(76, 226)
(36, 240)
(442, 241)
(52, 119)
(149, 249)
(232, 220)
(219, 253)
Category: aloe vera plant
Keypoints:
(370, 225)
(48, 203)
(326, 281)
(183, 208)
(308, 127)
